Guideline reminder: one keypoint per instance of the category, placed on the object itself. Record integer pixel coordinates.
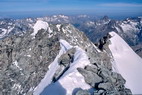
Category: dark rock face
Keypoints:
(105, 18)
(138, 49)
(103, 41)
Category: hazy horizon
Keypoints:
(119, 9)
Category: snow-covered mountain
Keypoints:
(6, 26)
(20, 26)
(15, 27)
(129, 29)
(58, 59)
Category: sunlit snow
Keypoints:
(39, 25)
(127, 62)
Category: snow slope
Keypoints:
(39, 25)
(127, 62)
(71, 79)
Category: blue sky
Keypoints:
(21, 8)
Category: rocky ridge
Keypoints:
(24, 61)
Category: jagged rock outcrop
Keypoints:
(103, 42)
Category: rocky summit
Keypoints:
(57, 59)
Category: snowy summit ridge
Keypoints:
(127, 63)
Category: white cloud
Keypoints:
(120, 5)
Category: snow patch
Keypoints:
(30, 49)
(16, 64)
(5, 32)
(17, 87)
(39, 25)
(64, 31)
(49, 30)
(28, 55)
(58, 26)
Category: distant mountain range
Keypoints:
(129, 29)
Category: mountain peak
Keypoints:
(105, 18)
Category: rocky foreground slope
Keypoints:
(55, 59)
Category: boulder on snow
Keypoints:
(92, 68)
(64, 63)
(119, 79)
(82, 92)
(98, 92)
(105, 74)
(105, 86)
(91, 78)
(67, 58)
